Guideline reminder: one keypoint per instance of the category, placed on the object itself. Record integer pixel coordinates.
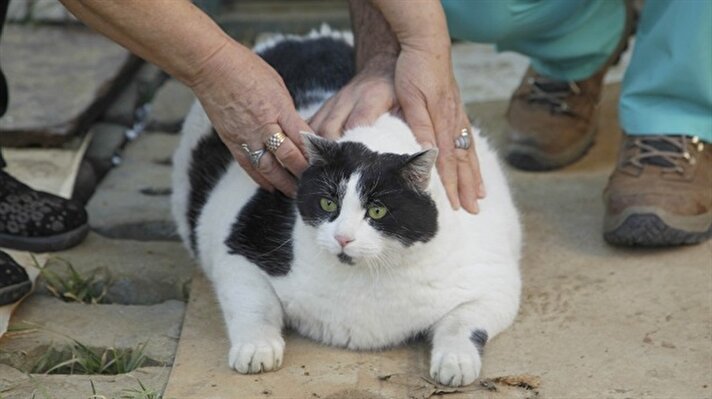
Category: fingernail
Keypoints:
(455, 205)
(427, 145)
(481, 191)
(475, 208)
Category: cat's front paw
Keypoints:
(257, 356)
(455, 367)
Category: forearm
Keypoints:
(174, 35)
(375, 42)
(418, 24)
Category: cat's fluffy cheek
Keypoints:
(455, 366)
(257, 357)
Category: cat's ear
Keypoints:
(418, 166)
(320, 151)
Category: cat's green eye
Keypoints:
(328, 205)
(377, 212)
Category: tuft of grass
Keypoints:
(78, 358)
(140, 393)
(74, 287)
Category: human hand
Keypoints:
(247, 102)
(430, 100)
(370, 94)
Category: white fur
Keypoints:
(465, 278)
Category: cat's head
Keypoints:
(366, 207)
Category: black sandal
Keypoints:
(14, 281)
(36, 221)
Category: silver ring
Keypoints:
(253, 156)
(463, 141)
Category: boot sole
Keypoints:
(531, 159)
(651, 230)
(53, 243)
(14, 293)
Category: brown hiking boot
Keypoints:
(553, 123)
(660, 193)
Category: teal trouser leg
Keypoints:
(668, 86)
(566, 39)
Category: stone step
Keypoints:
(60, 79)
(244, 20)
(133, 200)
(17, 385)
(170, 106)
(43, 322)
(137, 272)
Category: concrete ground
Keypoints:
(595, 321)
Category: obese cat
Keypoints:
(368, 255)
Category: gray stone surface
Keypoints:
(125, 204)
(137, 272)
(38, 386)
(121, 111)
(50, 11)
(595, 321)
(245, 19)
(60, 79)
(46, 321)
(150, 78)
(107, 140)
(18, 10)
(170, 106)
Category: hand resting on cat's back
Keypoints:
(368, 255)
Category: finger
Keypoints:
(288, 154)
(271, 170)
(293, 125)
(467, 180)
(318, 118)
(332, 127)
(481, 190)
(447, 167)
(418, 118)
(366, 112)
(244, 162)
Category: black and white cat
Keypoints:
(369, 255)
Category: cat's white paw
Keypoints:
(257, 356)
(455, 368)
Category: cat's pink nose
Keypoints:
(343, 240)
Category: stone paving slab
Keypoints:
(47, 321)
(170, 106)
(133, 200)
(17, 385)
(595, 321)
(138, 272)
(46, 63)
(245, 19)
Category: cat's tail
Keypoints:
(195, 127)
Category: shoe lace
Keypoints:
(668, 152)
(553, 93)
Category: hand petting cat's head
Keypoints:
(366, 207)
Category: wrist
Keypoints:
(379, 64)
(225, 56)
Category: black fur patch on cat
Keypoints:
(262, 232)
(412, 214)
(343, 258)
(209, 161)
(479, 339)
(311, 65)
